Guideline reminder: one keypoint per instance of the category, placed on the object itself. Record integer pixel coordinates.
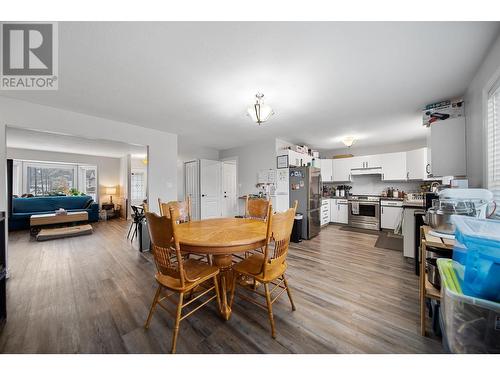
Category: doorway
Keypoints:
(229, 188)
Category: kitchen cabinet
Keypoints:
(366, 161)
(409, 231)
(394, 166)
(342, 169)
(325, 211)
(326, 166)
(338, 211)
(297, 159)
(416, 164)
(447, 147)
(390, 213)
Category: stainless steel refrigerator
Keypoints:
(305, 187)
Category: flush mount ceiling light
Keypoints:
(348, 141)
(260, 112)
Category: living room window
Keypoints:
(494, 141)
(46, 178)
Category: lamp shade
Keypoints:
(111, 190)
(260, 112)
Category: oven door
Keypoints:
(364, 215)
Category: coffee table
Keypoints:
(50, 219)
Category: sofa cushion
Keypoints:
(44, 204)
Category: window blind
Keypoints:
(494, 142)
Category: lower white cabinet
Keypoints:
(325, 211)
(338, 211)
(390, 213)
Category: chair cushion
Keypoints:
(252, 266)
(194, 270)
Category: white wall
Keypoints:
(188, 151)
(252, 158)
(108, 169)
(475, 115)
(162, 145)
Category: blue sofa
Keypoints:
(23, 208)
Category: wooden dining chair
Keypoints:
(176, 275)
(159, 207)
(256, 208)
(270, 267)
(184, 208)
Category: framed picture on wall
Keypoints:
(282, 161)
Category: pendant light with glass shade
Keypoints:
(260, 112)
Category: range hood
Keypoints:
(364, 171)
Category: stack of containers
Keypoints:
(470, 288)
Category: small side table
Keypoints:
(110, 210)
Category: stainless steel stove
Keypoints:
(364, 212)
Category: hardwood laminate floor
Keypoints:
(91, 294)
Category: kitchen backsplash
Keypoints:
(373, 185)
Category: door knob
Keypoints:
(203, 195)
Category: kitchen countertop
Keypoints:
(413, 204)
(391, 199)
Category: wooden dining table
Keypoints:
(221, 238)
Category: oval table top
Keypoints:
(222, 236)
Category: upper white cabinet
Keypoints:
(394, 166)
(447, 146)
(326, 166)
(296, 159)
(342, 169)
(416, 164)
(367, 161)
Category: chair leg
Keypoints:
(177, 322)
(153, 307)
(233, 289)
(216, 284)
(135, 232)
(289, 292)
(129, 229)
(270, 309)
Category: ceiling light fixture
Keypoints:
(348, 141)
(260, 112)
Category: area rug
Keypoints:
(390, 241)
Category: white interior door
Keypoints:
(192, 187)
(229, 189)
(210, 189)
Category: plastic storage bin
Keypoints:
(469, 325)
(478, 249)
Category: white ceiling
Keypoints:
(44, 141)
(324, 80)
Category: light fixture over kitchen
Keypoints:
(348, 141)
(260, 112)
